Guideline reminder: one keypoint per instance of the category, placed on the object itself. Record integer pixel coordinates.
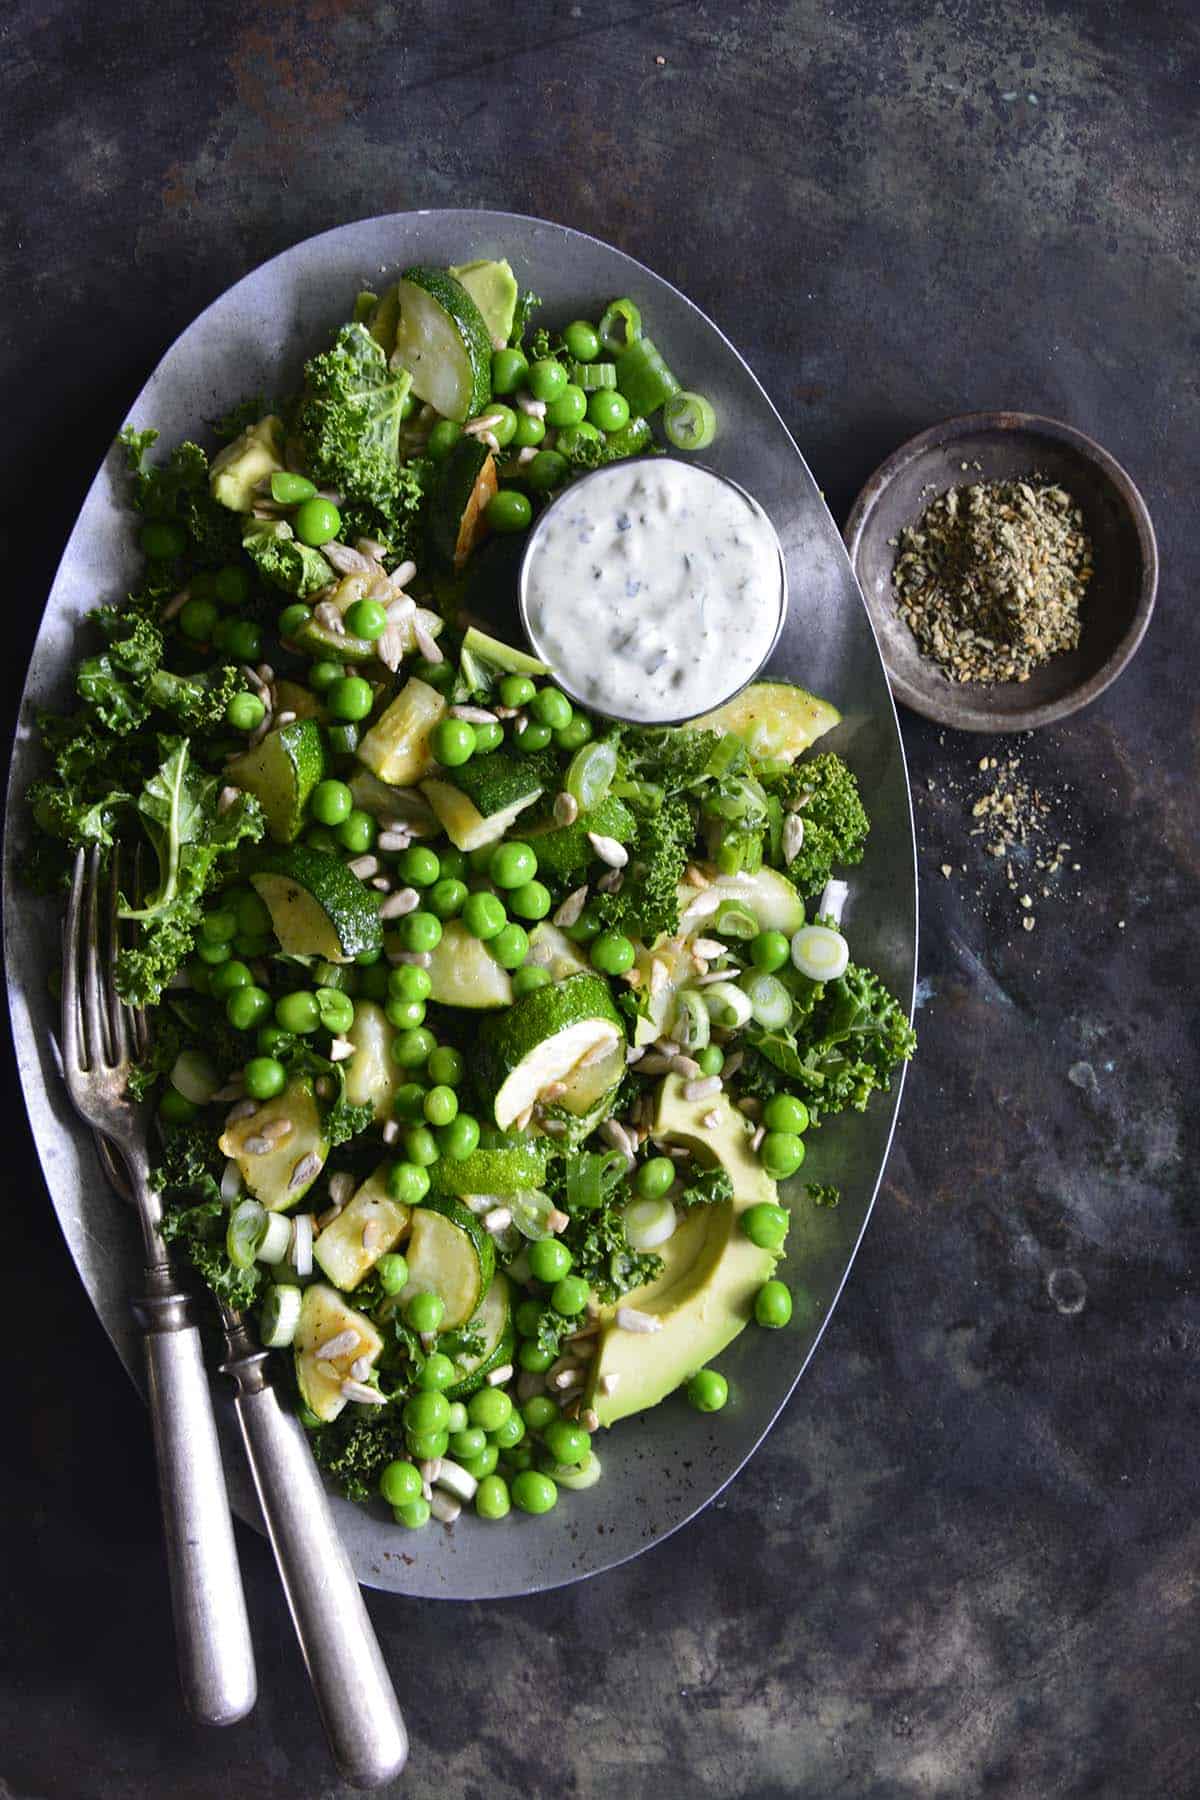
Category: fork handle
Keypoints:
(212, 1633)
(353, 1689)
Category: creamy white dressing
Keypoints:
(653, 589)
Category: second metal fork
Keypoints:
(99, 1036)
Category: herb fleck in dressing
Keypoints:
(653, 590)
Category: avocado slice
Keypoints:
(704, 1294)
(493, 288)
(236, 471)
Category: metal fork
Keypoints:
(99, 1034)
(350, 1681)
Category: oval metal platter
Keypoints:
(254, 339)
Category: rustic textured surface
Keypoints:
(965, 1562)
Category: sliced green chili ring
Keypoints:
(620, 326)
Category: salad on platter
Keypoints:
(486, 1028)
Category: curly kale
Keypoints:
(601, 1253)
(349, 418)
(200, 1231)
(283, 560)
(824, 791)
(357, 1447)
(823, 1193)
(706, 1187)
(526, 306)
(647, 902)
(126, 684)
(852, 1038)
(241, 417)
(178, 490)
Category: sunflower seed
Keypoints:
(444, 1507)
(474, 715)
(305, 1169)
(607, 1384)
(499, 1376)
(341, 1344)
(327, 614)
(277, 1130)
(793, 836)
(556, 1221)
(229, 796)
(498, 1219)
(417, 959)
(568, 913)
(608, 850)
(703, 1089)
(711, 1120)
(696, 877)
(257, 1145)
(389, 647)
(391, 1132)
(611, 883)
(566, 809)
(245, 1109)
(568, 1379)
(341, 1187)
(176, 603)
(364, 1395)
(426, 644)
(533, 409)
(394, 840)
(364, 867)
(400, 904)
(347, 561)
(709, 948)
(759, 1134)
(402, 574)
(686, 1066)
(634, 1054)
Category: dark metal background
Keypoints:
(965, 1563)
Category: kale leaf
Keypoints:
(824, 792)
(283, 560)
(601, 1253)
(706, 1187)
(349, 418)
(200, 1230)
(853, 1037)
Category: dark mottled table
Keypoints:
(965, 1563)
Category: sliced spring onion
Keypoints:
(620, 326)
(195, 1077)
(770, 1000)
(530, 1210)
(689, 421)
(693, 1027)
(833, 900)
(820, 953)
(649, 1223)
(590, 376)
(231, 1182)
(590, 773)
(302, 1244)
(727, 1005)
(246, 1231)
(575, 1476)
(644, 378)
(280, 1313)
(277, 1239)
(735, 920)
(591, 1177)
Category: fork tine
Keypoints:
(94, 1023)
(118, 1027)
(71, 1047)
(141, 1022)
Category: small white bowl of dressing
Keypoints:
(653, 590)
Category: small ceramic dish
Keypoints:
(1004, 447)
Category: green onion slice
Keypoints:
(689, 421)
(693, 1026)
(591, 772)
(280, 1315)
(247, 1229)
(590, 376)
(769, 999)
(734, 920)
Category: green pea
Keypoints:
(336, 1010)
(252, 914)
(504, 424)
(773, 1305)
(539, 1412)
(319, 837)
(526, 979)
(250, 948)
(424, 1312)
(247, 1007)
(770, 950)
(550, 706)
(765, 1225)
(516, 690)
(436, 1373)
(161, 540)
(489, 1408)
(426, 1411)
(264, 1077)
(288, 489)
(446, 1066)
(440, 674)
(568, 406)
(408, 1184)
(492, 1498)
(547, 379)
(453, 742)
(567, 1443)
(574, 437)
(654, 1177)
(213, 953)
(509, 370)
(292, 618)
(518, 1458)
(176, 1109)
(420, 1146)
(586, 927)
(708, 1390)
(358, 832)
(316, 522)
(408, 1102)
(400, 1483)
(484, 916)
(418, 866)
(508, 510)
(570, 1295)
(219, 926)
(549, 1260)
(366, 619)
(271, 1041)
(350, 698)
(441, 1106)
(414, 1513)
(228, 978)
(442, 439)
(454, 863)
(533, 1492)
(392, 1271)
(534, 737)
(488, 737)
(785, 1112)
(479, 861)
(510, 947)
(298, 1012)
(458, 1417)
(484, 1464)
(331, 803)
(197, 619)
(404, 1014)
(582, 341)
(245, 712)
(410, 1049)
(612, 953)
(528, 1317)
(427, 1446)
(510, 1432)
(575, 735)
(608, 409)
(530, 901)
(460, 1138)
(410, 982)
(464, 1445)
(323, 674)
(512, 865)
(244, 640)
(781, 1154)
(547, 470)
(447, 898)
(530, 1356)
(711, 1059)
(529, 433)
(420, 932)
